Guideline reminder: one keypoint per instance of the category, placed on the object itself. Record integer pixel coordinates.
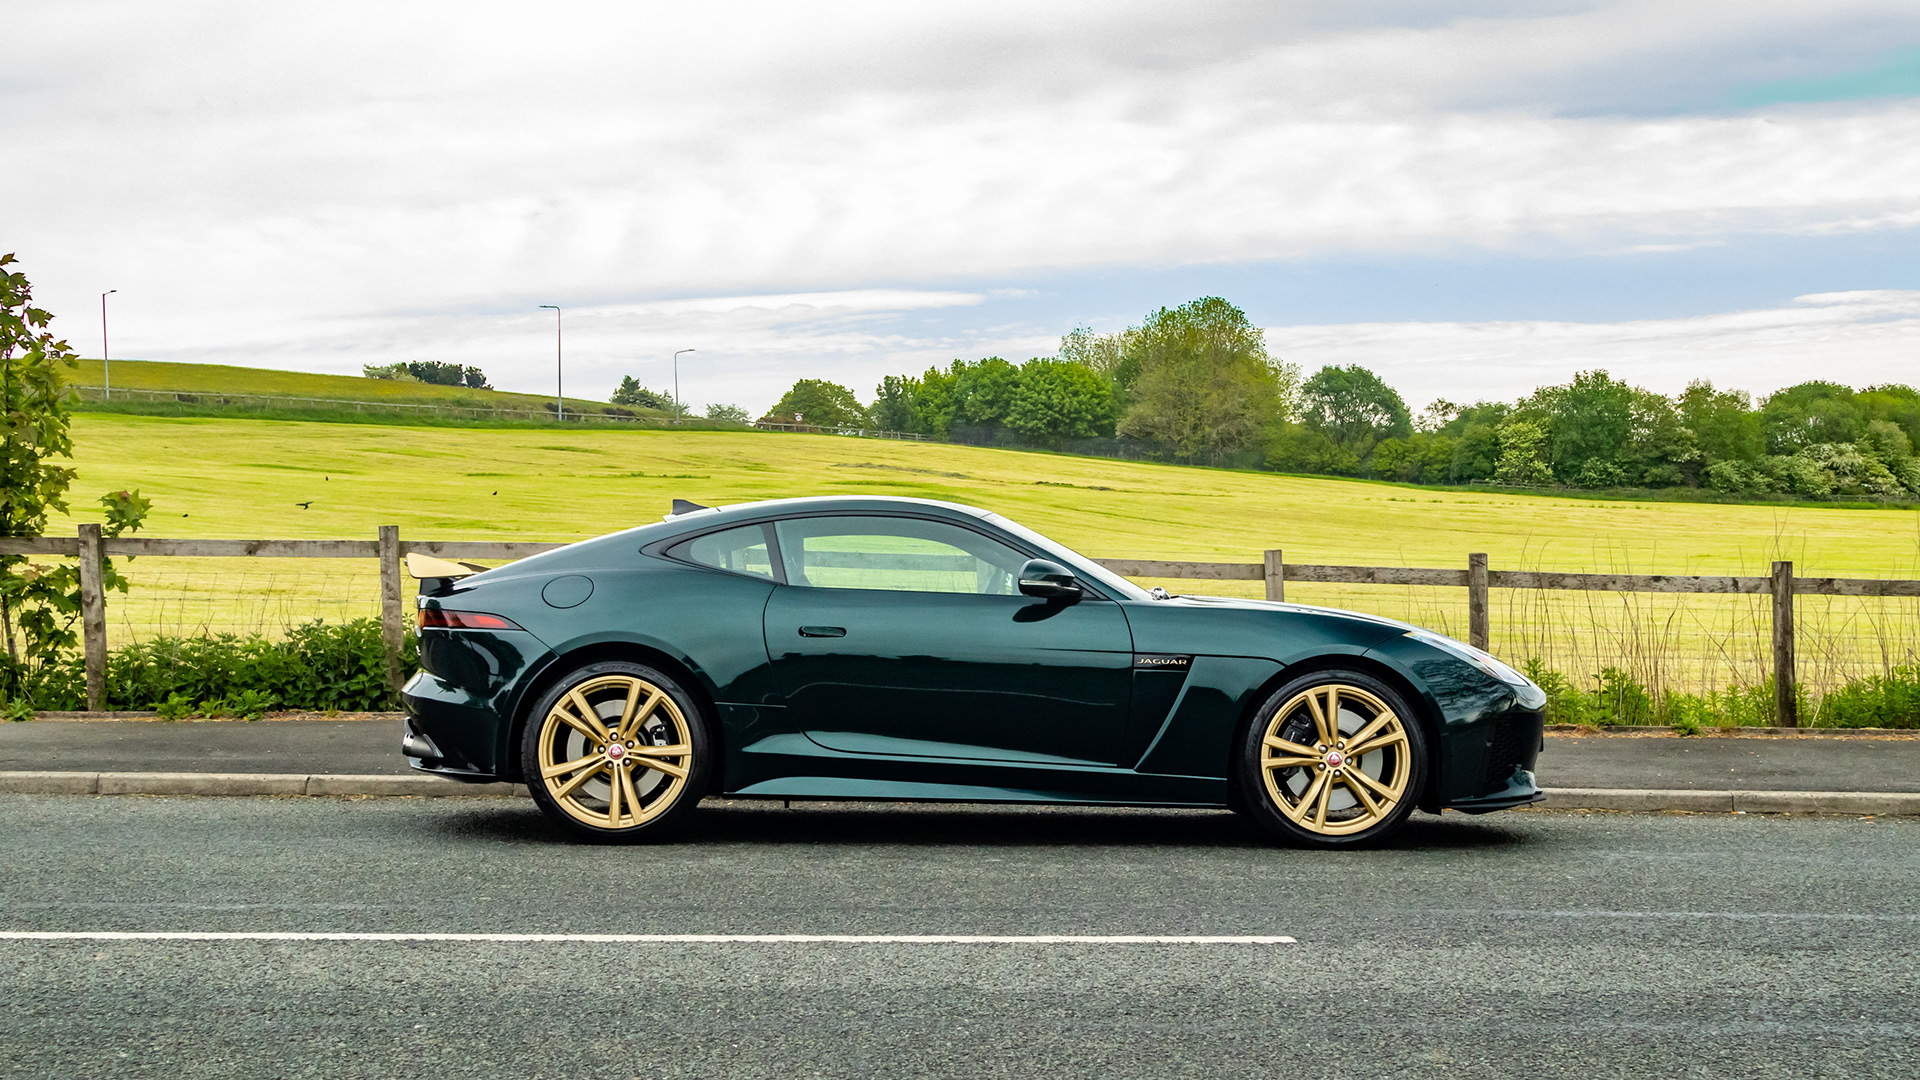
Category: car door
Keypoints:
(906, 635)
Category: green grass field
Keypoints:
(243, 478)
(223, 379)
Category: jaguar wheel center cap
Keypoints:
(1335, 759)
(616, 752)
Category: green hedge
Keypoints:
(317, 665)
(322, 666)
(1614, 698)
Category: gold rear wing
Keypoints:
(427, 566)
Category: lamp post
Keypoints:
(676, 384)
(559, 376)
(106, 370)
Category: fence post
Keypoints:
(1276, 577)
(1786, 710)
(1479, 630)
(392, 614)
(93, 615)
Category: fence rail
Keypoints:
(1477, 578)
(585, 412)
(816, 429)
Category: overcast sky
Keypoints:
(1472, 198)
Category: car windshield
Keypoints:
(1075, 561)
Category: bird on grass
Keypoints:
(308, 505)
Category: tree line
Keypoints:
(1196, 384)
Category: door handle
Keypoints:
(823, 631)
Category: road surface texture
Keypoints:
(1528, 944)
(1789, 763)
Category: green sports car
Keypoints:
(904, 649)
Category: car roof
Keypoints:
(807, 504)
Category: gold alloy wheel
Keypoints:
(1335, 759)
(615, 752)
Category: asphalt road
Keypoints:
(1525, 944)
(1798, 763)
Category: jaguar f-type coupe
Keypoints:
(904, 649)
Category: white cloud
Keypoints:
(318, 185)
(1857, 338)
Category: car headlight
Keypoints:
(1530, 695)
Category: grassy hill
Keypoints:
(243, 477)
(223, 379)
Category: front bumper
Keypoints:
(1492, 762)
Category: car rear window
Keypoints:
(743, 551)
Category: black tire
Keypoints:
(1366, 798)
(664, 787)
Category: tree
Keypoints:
(895, 404)
(1056, 400)
(1811, 413)
(1106, 356)
(1205, 387)
(1353, 408)
(1476, 452)
(732, 414)
(819, 402)
(39, 603)
(1896, 404)
(1589, 426)
(1724, 425)
(1524, 449)
(438, 373)
(631, 393)
(983, 392)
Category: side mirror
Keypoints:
(1049, 581)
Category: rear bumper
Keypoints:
(443, 735)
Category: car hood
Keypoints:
(1281, 605)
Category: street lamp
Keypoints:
(676, 384)
(559, 398)
(106, 370)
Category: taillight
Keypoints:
(445, 619)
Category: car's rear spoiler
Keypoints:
(426, 566)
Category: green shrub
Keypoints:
(1888, 701)
(176, 707)
(1616, 698)
(251, 704)
(317, 665)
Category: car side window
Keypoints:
(899, 554)
(742, 550)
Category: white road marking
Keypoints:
(654, 939)
(1756, 916)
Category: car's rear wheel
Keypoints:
(616, 751)
(1333, 759)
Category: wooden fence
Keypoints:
(1476, 577)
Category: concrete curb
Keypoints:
(1707, 732)
(1726, 802)
(337, 784)
(319, 784)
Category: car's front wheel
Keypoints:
(1332, 759)
(616, 751)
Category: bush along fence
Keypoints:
(394, 649)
